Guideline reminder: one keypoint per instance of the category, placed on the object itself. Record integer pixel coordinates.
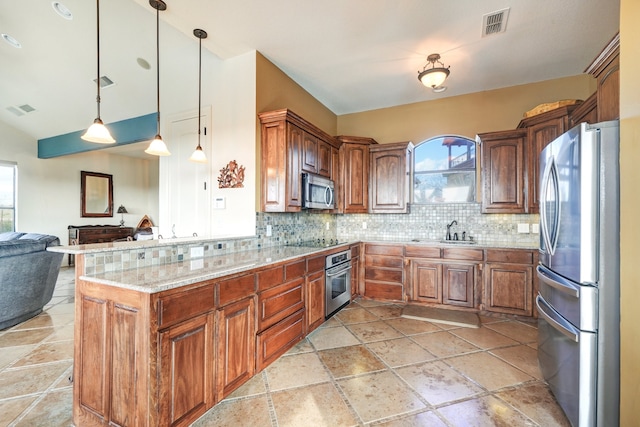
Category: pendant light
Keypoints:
(98, 132)
(157, 146)
(433, 77)
(198, 155)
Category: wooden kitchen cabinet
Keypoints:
(606, 69)
(508, 281)
(391, 167)
(354, 174)
(383, 272)
(585, 112)
(315, 292)
(458, 283)
(503, 172)
(426, 277)
(291, 145)
(355, 270)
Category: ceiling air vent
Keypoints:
(21, 110)
(495, 22)
(105, 82)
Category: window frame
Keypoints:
(14, 204)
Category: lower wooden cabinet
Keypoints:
(458, 281)
(279, 338)
(236, 345)
(509, 281)
(186, 377)
(315, 300)
(426, 277)
(383, 272)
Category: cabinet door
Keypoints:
(508, 288)
(355, 276)
(503, 172)
(315, 300)
(294, 179)
(186, 370)
(355, 158)
(309, 153)
(538, 137)
(324, 158)
(426, 277)
(457, 284)
(236, 345)
(609, 91)
(390, 174)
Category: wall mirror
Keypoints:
(96, 194)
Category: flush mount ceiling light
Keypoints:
(157, 146)
(12, 41)
(198, 155)
(433, 77)
(62, 10)
(98, 132)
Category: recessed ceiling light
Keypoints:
(143, 63)
(13, 42)
(62, 10)
(439, 89)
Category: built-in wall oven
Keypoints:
(337, 281)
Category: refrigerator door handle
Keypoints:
(558, 282)
(556, 321)
(549, 231)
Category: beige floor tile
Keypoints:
(483, 412)
(400, 352)
(386, 311)
(295, 371)
(235, 413)
(423, 419)
(331, 323)
(438, 383)
(33, 379)
(54, 410)
(64, 333)
(253, 387)
(370, 303)
(484, 337)
(444, 344)
(325, 338)
(48, 352)
(303, 346)
(537, 402)
(44, 320)
(10, 409)
(63, 381)
(9, 355)
(317, 405)
(373, 331)
(355, 315)
(379, 395)
(348, 361)
(412, 326)
(515, 330)
(16, 338)
(68, 308)
(522, 357)
(488, 371)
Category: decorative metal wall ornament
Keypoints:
(231, 176)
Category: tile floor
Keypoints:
(366, 366)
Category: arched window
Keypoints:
(444, 170)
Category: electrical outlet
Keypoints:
(197, 252)
(523, 228)
(269, 230)
(364, 225)
(535, 228)
(327, 226)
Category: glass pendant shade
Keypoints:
(157, 147)
(198, 156)
(433, 77)
(98, 133)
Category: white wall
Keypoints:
(49, 189)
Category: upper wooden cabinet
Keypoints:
(390, 176)
(353, 196)
(503, 171)
(291, 145)
(606, 69)
(585, 112)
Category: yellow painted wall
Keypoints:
(465, 115)
(629, 208)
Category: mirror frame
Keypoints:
(84, 192)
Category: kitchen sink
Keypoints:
(459, 242)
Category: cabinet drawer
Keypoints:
(294, 270)
(236, 289)
(383, 250)
(277, 303)
(383, 261)
(382, 291)
(422, 251)
(466, 254)
(270, 278)
(394, 276)
(510, 256)
(315, 263)
(279, 338)
(177, 307)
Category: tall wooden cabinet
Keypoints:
(354, 174)
(391, 167)
(291, 145)
(606, 69)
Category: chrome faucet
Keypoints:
(454, 222)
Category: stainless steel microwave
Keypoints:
(317, 192)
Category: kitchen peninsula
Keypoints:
(163, 333)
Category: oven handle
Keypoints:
(331, 273)
(556, 321)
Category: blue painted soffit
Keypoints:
(125, 132)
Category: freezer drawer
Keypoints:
(568, 358)
(575, 302)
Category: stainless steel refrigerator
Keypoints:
(579, 275)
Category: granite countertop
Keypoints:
(157, 278)
(127, 245)
(493, 244)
